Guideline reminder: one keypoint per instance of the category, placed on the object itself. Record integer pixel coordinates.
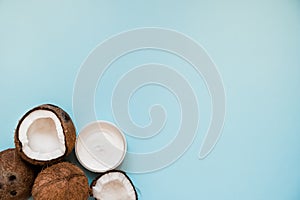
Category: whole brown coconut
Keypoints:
(16, 176)
(59, 182)
(45, 135)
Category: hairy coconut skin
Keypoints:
(68, 129)
(94, 182)
(61, 181)
(16, 176)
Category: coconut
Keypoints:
(61, 181)
(113, 185)
(45, 135)
(16, 176)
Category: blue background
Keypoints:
(255, 44)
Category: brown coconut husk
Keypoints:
(61, 181)
(16, 176)
(68, 129)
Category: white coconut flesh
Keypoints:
(42, 136)
(114, 186)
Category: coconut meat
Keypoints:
(114, 186)
(42, 136)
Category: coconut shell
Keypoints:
(16, 176)
(68, 129)
(94, 182)
(59, 182)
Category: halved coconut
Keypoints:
(45, 135)
(113, 185)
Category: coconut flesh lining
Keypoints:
(41, 135)
(114, 186)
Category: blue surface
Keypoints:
(255, 45)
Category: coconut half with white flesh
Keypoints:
(113, 185)
(45, 135)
